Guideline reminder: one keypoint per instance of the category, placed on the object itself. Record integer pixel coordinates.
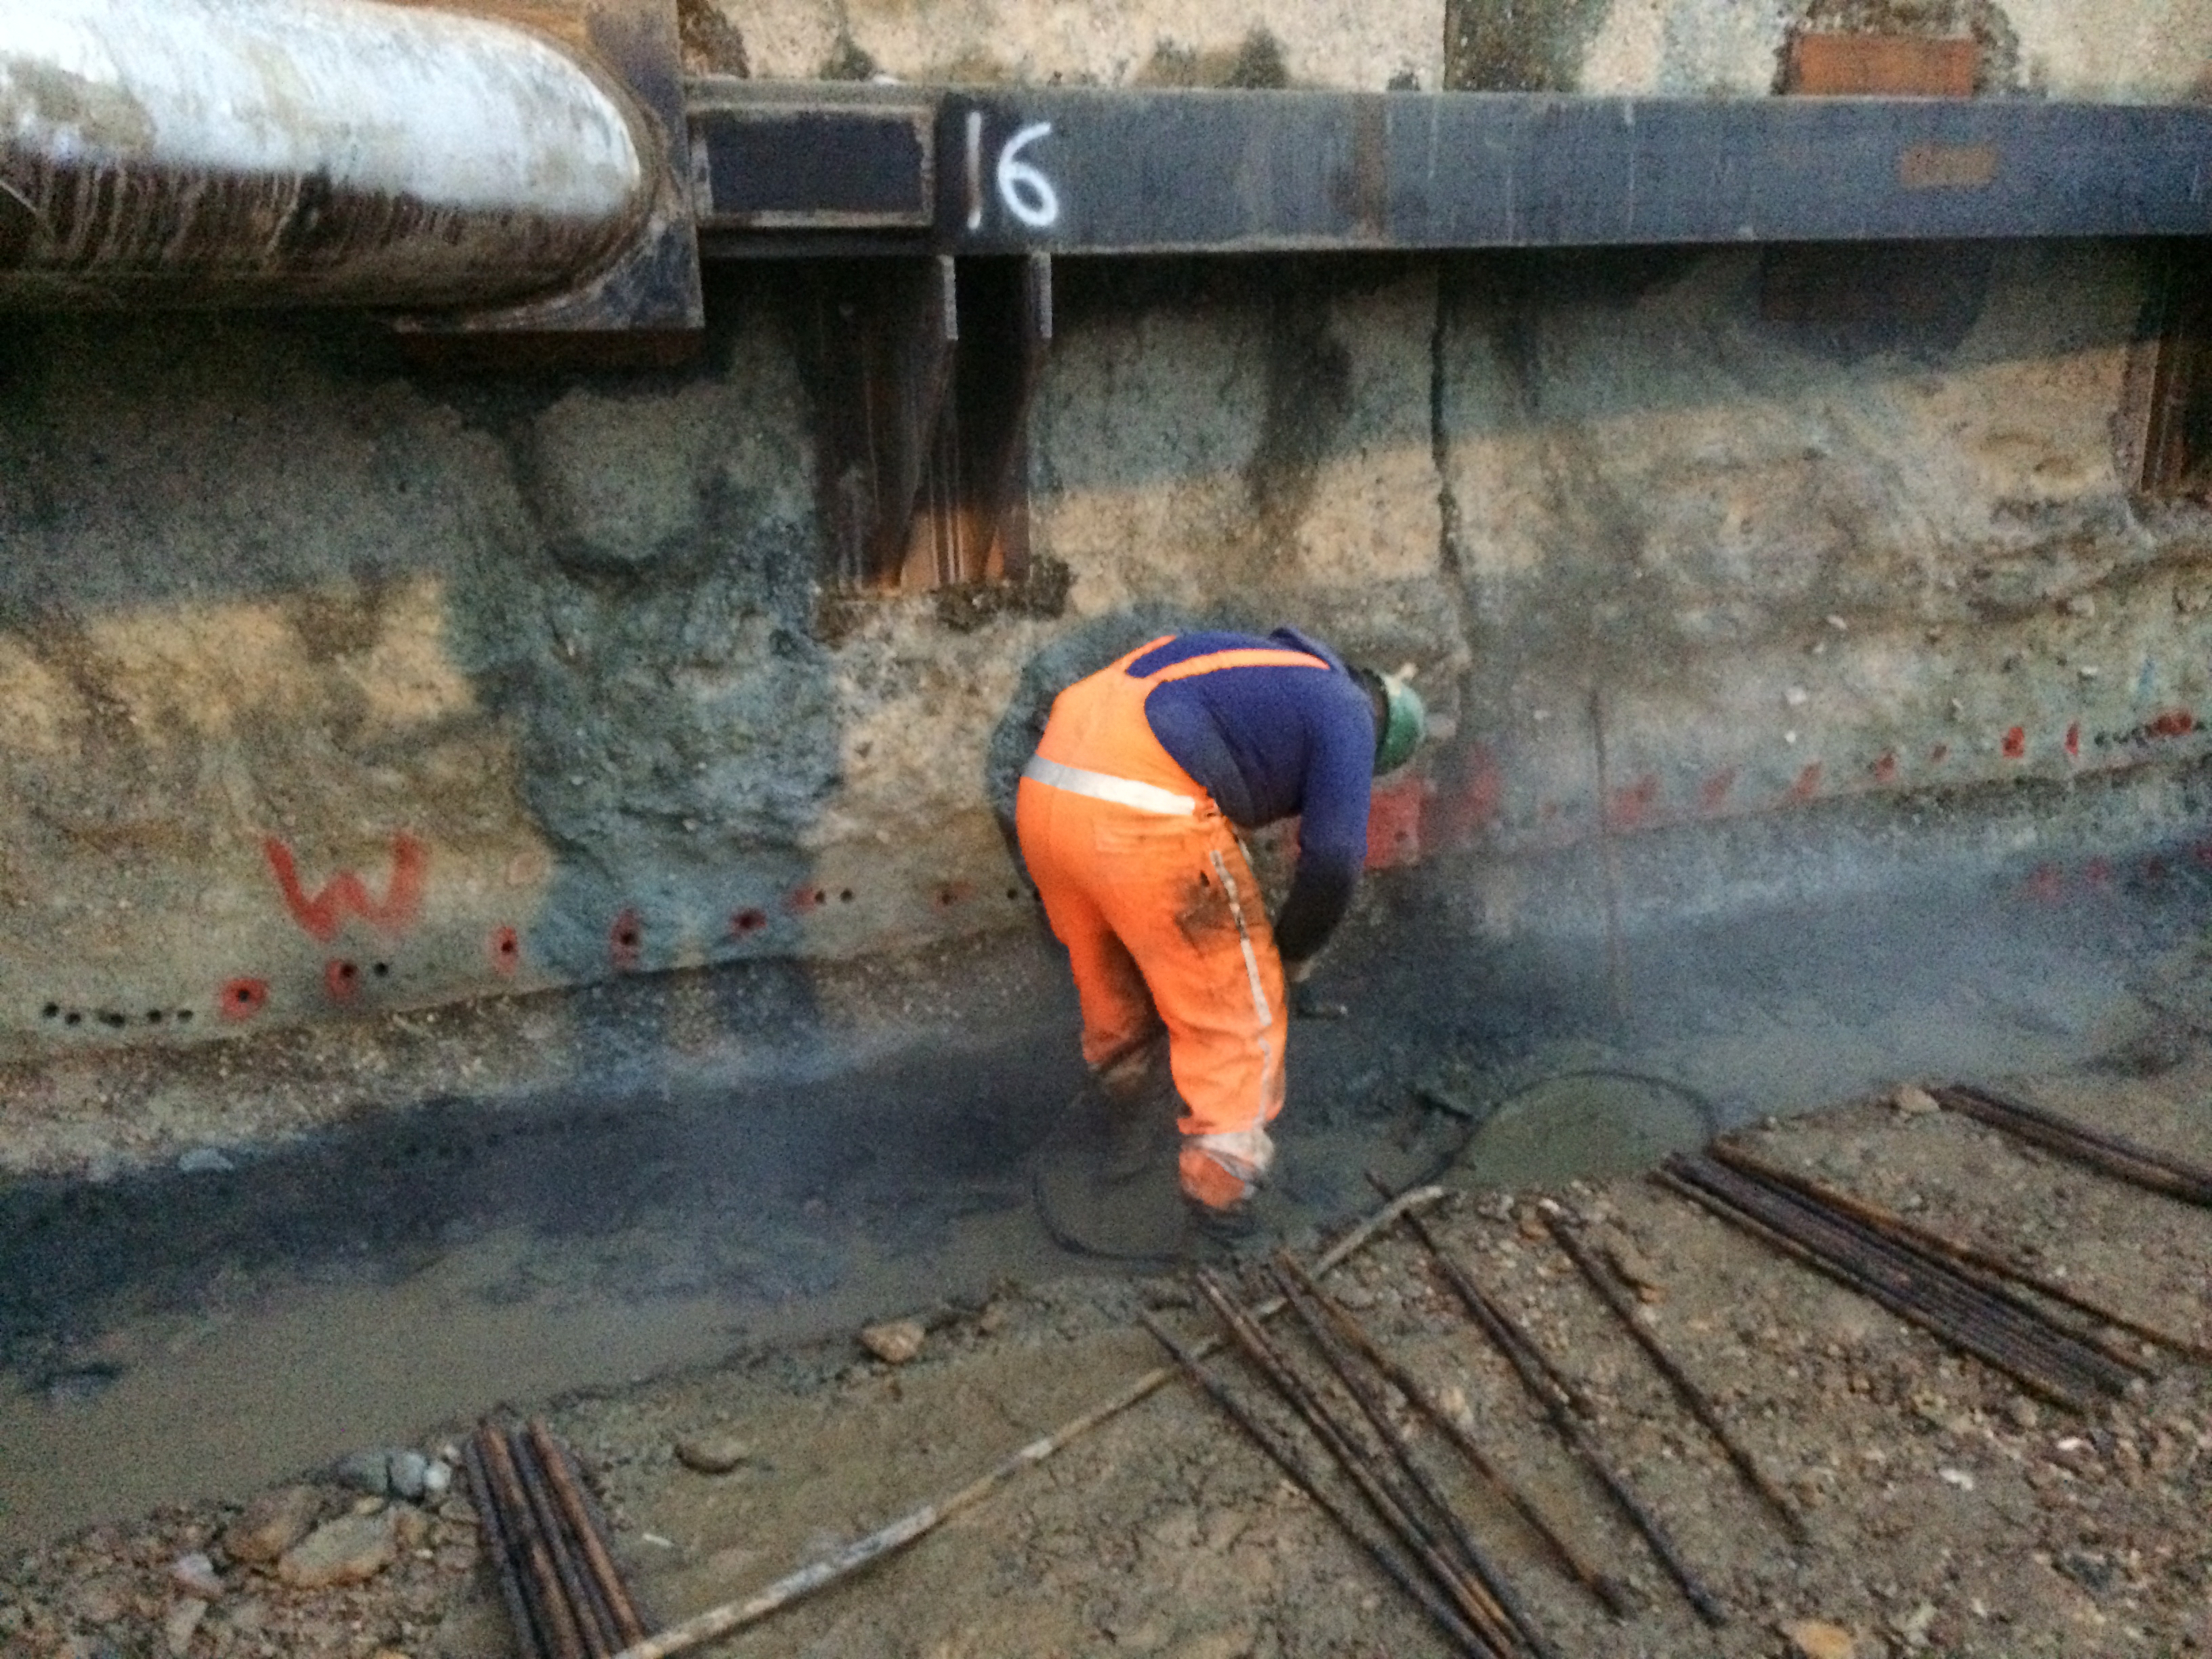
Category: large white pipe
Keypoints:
(301, 151)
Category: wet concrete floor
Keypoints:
(168, 1335)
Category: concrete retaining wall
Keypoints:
(334, 686)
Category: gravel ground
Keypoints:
(1949, 1514)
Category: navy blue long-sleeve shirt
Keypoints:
(1270, 743)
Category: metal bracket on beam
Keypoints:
(924, 373)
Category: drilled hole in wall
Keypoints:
(153, 1016)
(380, 968)
(51, 1010)
(347, 970)
(184, 1016)
(73, 1018)
(749, 921)
(845, 896)
(112, 1018)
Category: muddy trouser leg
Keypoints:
(1119, 1019)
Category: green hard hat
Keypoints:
(1404, 721)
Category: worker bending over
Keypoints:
(1128, 816)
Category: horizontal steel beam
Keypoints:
(1078, 171)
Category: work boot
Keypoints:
(1223, 1231)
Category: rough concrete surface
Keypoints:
(1319, 43)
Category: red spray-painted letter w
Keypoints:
(324, 913)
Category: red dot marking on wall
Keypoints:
(625, 940)
(2047, 883)
(748, 921)
(506, 948)
(954, 892)
(1631, 806)
(242, 998)
(1807, 784)
(2155, 869)
(802, 900)
(341, 979)
(2173, 723)
(1546, 811)
(1939, 754)
(2074, 741)
(1884, 770)
(1713, 793)
(2015, 743)
(2098, 872)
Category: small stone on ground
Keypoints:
(350, 1550)
(894, 1341)
(272, 1523)
(711, 1454)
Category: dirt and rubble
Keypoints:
(1949, 1513)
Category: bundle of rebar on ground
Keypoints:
(1400, 1514)
(2115, 1155)
(1962, 1297)
(547, 1543)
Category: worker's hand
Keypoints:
(1305, 1002)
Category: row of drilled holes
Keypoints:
(110, 1017)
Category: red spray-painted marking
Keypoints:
(955, 892)
(801, 900)
(625, 940)
(2173, 723)
(341, 979)
(2047, 883)
(1885, 770)
(325, 912)
(1939, 754)
(1631, 806)
(748, 921)
(1807, 784)
(241, 998)
(2074, 741)
(2015, 743)
(505, 947)
(1393, 825)
(1713, 793)
(1463, 808)
(2100, 873)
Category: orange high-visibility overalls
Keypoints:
(1144, 881)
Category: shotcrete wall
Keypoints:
(333, 685)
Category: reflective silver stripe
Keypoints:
(1122, 791)
(1244, 938)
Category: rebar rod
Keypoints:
(1902, 1306)
(918, 1523)
(2019, 1342)
(590, 1529)
(1390, 1507)
(1993, 1316)
(1607, 1588)
(1577, 1437)
(594, 1621)
(1625, 1309)
(557, 1619)
(1959, 1250)
(2115, 1155)
(1286, 1459)
(505, 1554)
(1371, 1403)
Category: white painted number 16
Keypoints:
(1024, 189)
